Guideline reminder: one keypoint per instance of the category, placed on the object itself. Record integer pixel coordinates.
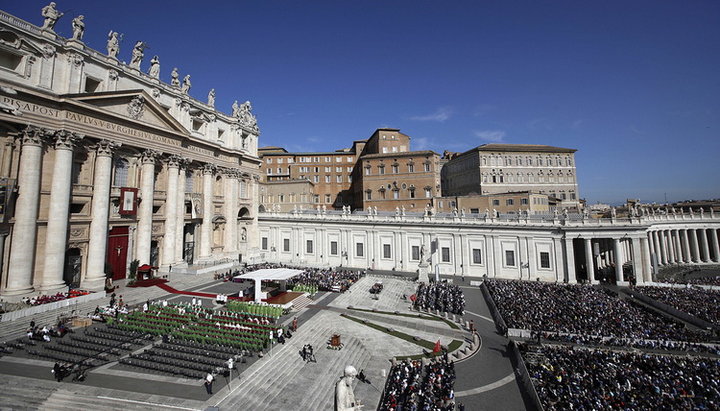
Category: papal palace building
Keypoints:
(103, 163)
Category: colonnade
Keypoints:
(684, 245)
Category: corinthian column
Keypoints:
(58, 212)
(705, 247)
(168, 254)
(95, 274)
(206, 229)
(686, 246)
(145, 211)
(22, 251)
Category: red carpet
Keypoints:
(148, 283)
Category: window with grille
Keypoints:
(510, 258)
(386, 251)
(445, 251)
(544, 259)
(477, 256)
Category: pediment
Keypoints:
(136, 105)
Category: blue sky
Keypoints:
(634, 86)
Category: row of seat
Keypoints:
(215, 362)
(161, 367)
(90, 347)
(206, 351)
(175, 363)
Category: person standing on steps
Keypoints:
(208, 383)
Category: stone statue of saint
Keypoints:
(78, 27)
(462, 212)
(235, 109)
(175, 78)
(397, 211)
(402, 210)
(137, 55)
(613, 213)
(245, 116)
(243, 234)
(154, 70)
(51, 16)
(186, 84)
(113, 44)
(211, 98)
(344, 395)
(423, 253)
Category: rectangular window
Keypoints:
(427, 167)
(445, 251)
(386, 251)
(327, 169)
(477, 256)
(316, 179)
(395, 169)
(264, 242)
(474, 211)
(309, 247)
(544, 259)
(333, 248)
(411, 168)
(510, 258)
(338, 169)
(286, 244)
(381, 170)
(367, 171)
(412, 193)
(396, 194)
(328, 198)
(509, 201)
(268, 160)
(327, 159)
(327, 179)
(428, 193)
(496, 202)
(338, 178)
(368, 195)
(415, 253)
(523, 201)
(359, 250)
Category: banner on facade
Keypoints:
(128, 201)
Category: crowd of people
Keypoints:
(45, 299)
(35, 332)
(412, 386)
(584, 310)
(327, 279)
(441, 296)
(698, 302)
(642, 344)
(568, 378)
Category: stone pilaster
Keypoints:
(145, 210)
(22, 246)
(180, 234)
(570, 276)
(95, 274)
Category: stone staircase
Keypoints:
(63, 399)
(302, 302)
(285, 382)
(22, 395)
(11, 330)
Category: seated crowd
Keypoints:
(410, 386)
(440, 296)
(45, 299)
(567, 378)
(698, 302)
(584, 310)
(326, 279)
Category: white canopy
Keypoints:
(271, 274)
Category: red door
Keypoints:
(117, 252)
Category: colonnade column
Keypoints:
(570, 260)
(58, 212)
(206, 228)
(22, 247)
(694, 246)
(686, 246)
(171, 209)
(589, 265)
(145, 211)
(651, 245)
(678, 247)
(705, 248)
(646, 273)
(618, 261)
(180, 222)
(97, 247)
(667, 237)
(715, 245)
(659, 248)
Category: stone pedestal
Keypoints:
(423, 271)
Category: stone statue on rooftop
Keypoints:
(175, 78)
(51, 16)
(344, 395)
(78, 27)
(113, 44)
(235, 109)
(211, 98)
(137, 54)
(154, 70)
(186, 84)
(244, 115)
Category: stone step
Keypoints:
(20, 397)
(322, 395)
(302, 302)
(72, 401)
